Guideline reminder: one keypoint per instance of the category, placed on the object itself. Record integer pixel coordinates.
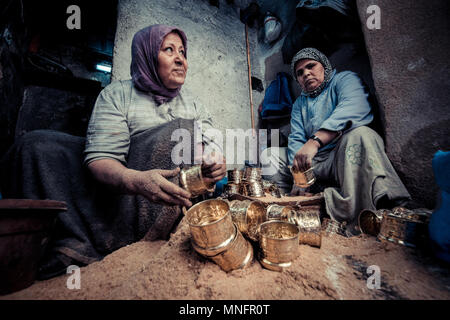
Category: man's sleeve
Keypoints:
(108, 134)
(353, 109)
(297, 137)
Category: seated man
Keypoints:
(329, 133)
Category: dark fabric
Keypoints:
(277, 98)
(144, 61)
(439, 226)
(46, 164)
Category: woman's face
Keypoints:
(310, 74)
(172, 63)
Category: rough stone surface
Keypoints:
(218, 72)
(410, 65)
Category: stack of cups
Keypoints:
(235, 177)
(215, 236)
(253, 180)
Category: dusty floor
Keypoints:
(173, 270)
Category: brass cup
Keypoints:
(331, 226)
(303, 179)
(252, 174)
(191, 180)
(278, 241)
(239, 254)
(248, 215)
(234, 176)
(402, 230)
(213, 251)
(369, 221)
(210, 224)
(308, 222)
(255, 189)
(278, 212)
(243, 188)
(231, 188)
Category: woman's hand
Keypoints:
(214, 168)
(303, 157)
(298, 191)
(153, 185)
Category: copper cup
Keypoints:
(239, 254)
(191, 180)
(369, 221)
(243, 188)
(248, 215)
(252, 174)
(231, 188)
(332, 226)
(402, 229)
(255, 189)
(303, 179)
(235, 176)
(278, 212)
(211, 226)
(278, 241)
(308, 222)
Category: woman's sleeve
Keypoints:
(297, 138)
(108, 134)
(352, 109)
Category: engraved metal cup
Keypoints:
(308, 222)
(369, 221)
(278, 241)
(404, 230)
(303, 179)
(278, 212)
(255, 189)
(252, 174)
(191, 180)
(248, 215)
(211, 226)
(231, 188)
(239, 254)
(235, 176)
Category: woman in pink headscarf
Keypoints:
(158, 70)
(127, 187)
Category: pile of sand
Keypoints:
(173, 270)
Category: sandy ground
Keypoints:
(173, 270)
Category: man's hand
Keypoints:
(303, 157)
(153, 185)
(214, 168)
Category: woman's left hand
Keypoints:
(214, 167)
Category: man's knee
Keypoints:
(362, 133)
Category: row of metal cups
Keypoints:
(248, 182)
(217, 227)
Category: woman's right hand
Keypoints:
(153, 185)
(303, 157)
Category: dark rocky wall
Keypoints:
(12, 49)
(410, 64)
